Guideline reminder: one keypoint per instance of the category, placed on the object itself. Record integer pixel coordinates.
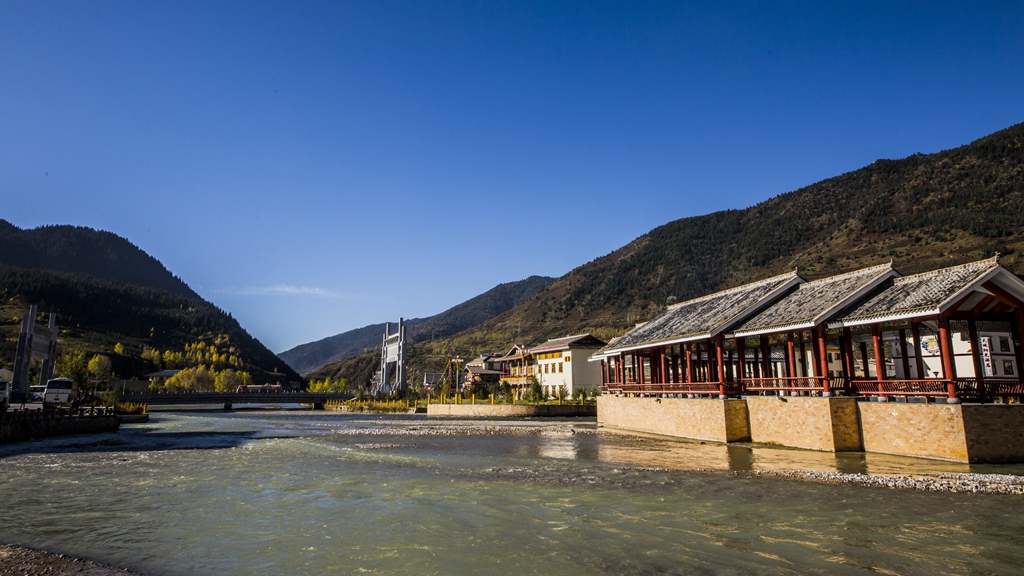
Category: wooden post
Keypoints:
(847, 352)
(822, 351)
(876, 340)
(663, 366)
(948, 366)
(720, 347)
(790, 355)
(689, 363)
(741, 348)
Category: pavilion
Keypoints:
(946, 336)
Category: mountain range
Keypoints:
(307, 358)
(922, 212)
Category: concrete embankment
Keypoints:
(28, 424)
(511, 410)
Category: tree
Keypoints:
(191, 380)
(229, 380)
(99, 367)
(72, 365)
(119, 349)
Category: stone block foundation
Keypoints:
(828, 424)
(697, 418)
(971, 433)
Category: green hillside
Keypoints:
(923, 212)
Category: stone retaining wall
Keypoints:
(43, 428)
(828, 424)
(698, 418)
(510, 410)
(962, 433)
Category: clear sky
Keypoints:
(313, 167)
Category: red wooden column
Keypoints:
(741, 347)
(664, 366)
(621, 367)
(790, 356)
(720, 348)
(689, 363)
(876, 340)
(822, 349)
(948, 366)
(847, 352)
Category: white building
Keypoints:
(562, 363)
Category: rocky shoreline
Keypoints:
(21, 561)
(960, 482)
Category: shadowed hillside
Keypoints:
(82, 250)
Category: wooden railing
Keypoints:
(971, 389)
(798, 384)
(695, 388)
(963, 388)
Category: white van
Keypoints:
(59, 391)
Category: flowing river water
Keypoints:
(330, 493)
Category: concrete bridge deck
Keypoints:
(228, 399)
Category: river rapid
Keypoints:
(331, 493)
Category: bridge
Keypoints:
(229, 399)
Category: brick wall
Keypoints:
(700, 419)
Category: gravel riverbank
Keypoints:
(16, 560)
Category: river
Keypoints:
(331, 493)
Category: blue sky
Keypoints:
(315, 167)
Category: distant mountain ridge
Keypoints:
(81, 250)
(307, 358)
(925, 211)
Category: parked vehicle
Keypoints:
(59, 391)
(35, 393)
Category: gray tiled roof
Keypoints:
(806, 305)
(705, 316)
(579, 340)
(920, 293)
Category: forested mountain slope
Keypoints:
(307, 358)
(107, 292)
(82, 250)
(924, 211)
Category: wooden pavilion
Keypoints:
(952, 333)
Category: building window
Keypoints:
(1004, 344)
(560, 367)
